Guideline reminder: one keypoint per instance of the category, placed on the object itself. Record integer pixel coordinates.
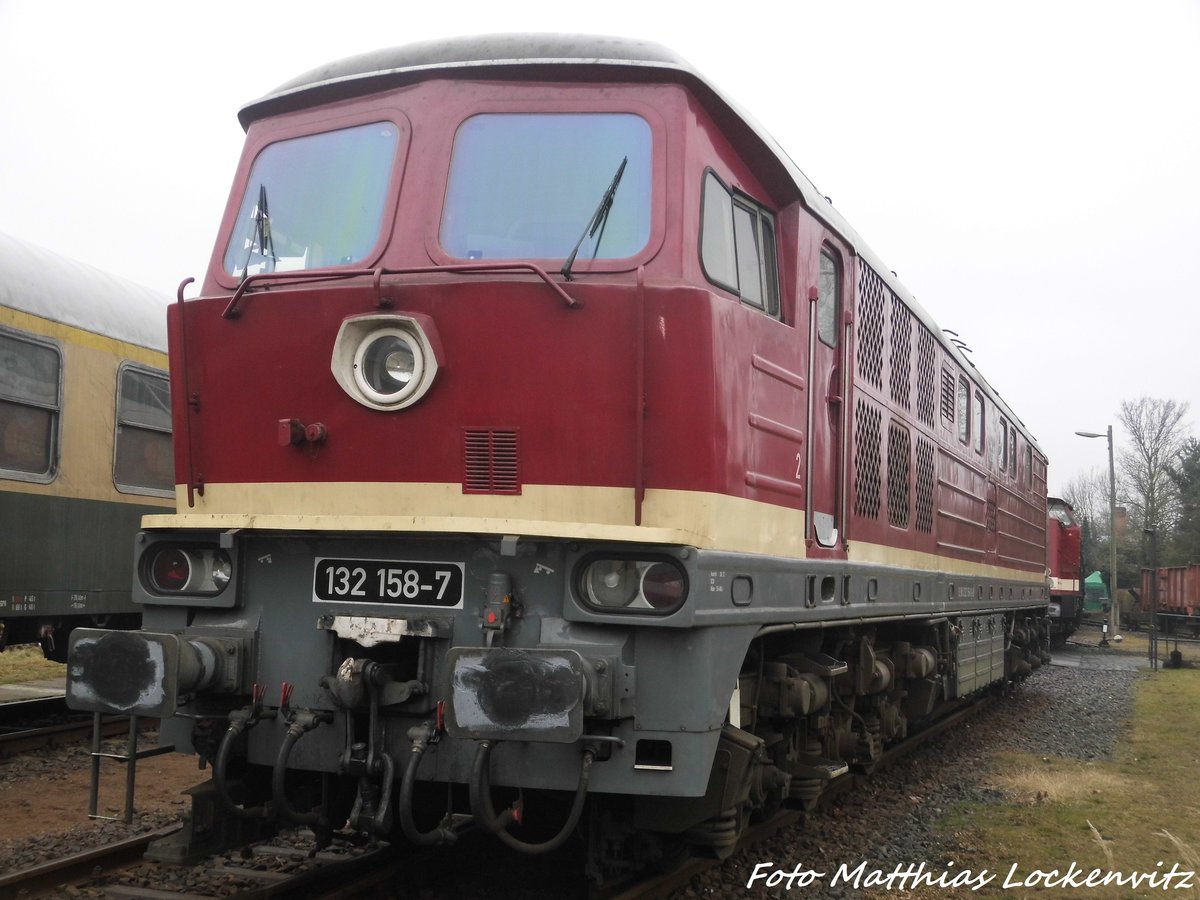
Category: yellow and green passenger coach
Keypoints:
(85, 442)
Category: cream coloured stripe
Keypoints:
(705, 520)
(1065, 584)
(879, 554)
(709, 521)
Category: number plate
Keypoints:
(390, 582)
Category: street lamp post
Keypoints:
(1112, 531)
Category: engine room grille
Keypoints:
(901, 361)
(870, 326)
(867, 459)
(491, 461)
(898, 457)
(948, 398)
(925, 481)
(926, 368)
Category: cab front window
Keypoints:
(526, 186)
(314, 201)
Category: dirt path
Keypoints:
(47, 792)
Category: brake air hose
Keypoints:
(485, 812)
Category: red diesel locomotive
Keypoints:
(541, 427)
(1064, 560)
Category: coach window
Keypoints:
(1004, 431)
(964, 410)
(1012, 451)
(142, 460)
(737, 246)
(30, 402)
(527, 185)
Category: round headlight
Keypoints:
(388, 365)
(170, 570)
(611, 582)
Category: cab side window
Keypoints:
(963, 413)
(737, 246)
(827, 300)
(977, 421)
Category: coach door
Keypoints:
(827, 404)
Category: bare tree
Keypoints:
(1156, 437)
(1184, 546)
(1089, 495)
(1087, 492)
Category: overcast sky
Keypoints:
(1031, 170)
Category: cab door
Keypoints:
(829, 333)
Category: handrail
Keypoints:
(232, 311)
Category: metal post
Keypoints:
(94, 789)
(130, 771)
(1113, 612)
(1153, 598)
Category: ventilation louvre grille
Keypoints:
(870, 326)
(491, 461)
(925, 484)
(867, 459)
(926, 377)
(901, 359)
(948, 398)
(899, 452)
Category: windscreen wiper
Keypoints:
(262, 234)
(597, 222)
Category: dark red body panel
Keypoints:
(658, 381)
(1063, 556)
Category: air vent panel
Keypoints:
(491, 461)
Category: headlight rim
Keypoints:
(202, 580)
(639, 604)
(361, 378)
(358, 333)
(152, 579)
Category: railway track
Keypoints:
(54, 876)
(264, 870)
(17, 737)
(14, 713)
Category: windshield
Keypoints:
(523, 186)
(1062, 512)
(313, 201)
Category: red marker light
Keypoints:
(170, 570)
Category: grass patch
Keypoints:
(1139, 812)
(1057, 781)
(25, 662)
